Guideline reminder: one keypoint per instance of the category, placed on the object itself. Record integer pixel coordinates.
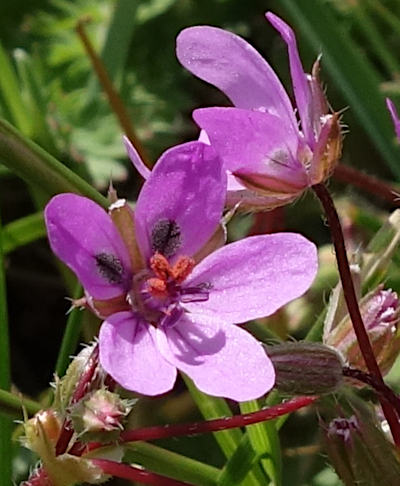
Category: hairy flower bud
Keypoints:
(359, 451)
(306, 368)
(100, 417)
(45, 422)
(380, 312)
(41, 434)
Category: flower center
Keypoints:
(168, 278)
(157, 293)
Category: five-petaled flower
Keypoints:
(166, 306)
(269, 159)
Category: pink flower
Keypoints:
(269, 159)
(166, 310)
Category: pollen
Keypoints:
(157, 287)
(182, 268)
(160, 266)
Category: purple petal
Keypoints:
(254, 142)
(254, 277)
(236, 68)
(299, 78)
(136, 160)
(251, 201)
(84, 237)
(222, 360)
(395, 118)
(128, 352)
(181, 203)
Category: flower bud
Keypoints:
(380, 312)
(45, 423)
(306, 368)
(100, 417)
(360, 452)
(41, 434)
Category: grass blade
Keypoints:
(5, 379)
(265, 442)
(239, 465)
(228, 440)
(38, 167)
(23, 231)
(11, 94)
(171, 464)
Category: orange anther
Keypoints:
(157, 287)
(182, 268)
(160, 266)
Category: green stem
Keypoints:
(172, 464)
(37, 167)
(12, 405)
(265, 441)
(5, 378)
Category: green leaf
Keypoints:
(6, 425)
(38, 167)
(239, 465)
(172, 464)
(352, 72)
(228, 440)
(119, 36)
(265, 441)
(23, 231)
(11, 94)
(380, 250)
(212, 408)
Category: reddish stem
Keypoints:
(124, 471)
(113, 97)
(367, 183)
(352, 304)
(174, 430)
(379, 388)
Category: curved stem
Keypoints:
(367, 183)
(382, 389)
(352, 304)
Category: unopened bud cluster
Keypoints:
(380, 312)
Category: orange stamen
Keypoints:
(160, 266)
(157, 287)
(182, 268)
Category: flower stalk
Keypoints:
(352, 304)
(371, 185)
(242, 420)
(380, 388)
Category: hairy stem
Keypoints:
(352, 304)
(174, 430)
(367, 183)
(380, 388)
